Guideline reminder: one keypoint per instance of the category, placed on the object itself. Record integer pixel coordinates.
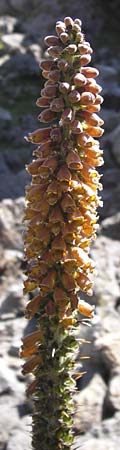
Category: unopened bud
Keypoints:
(64, 37)
(46, 116)
(49, 91)
(76, 127)
(79, 79)
(68, 22)
(84, 48)
(78, 21)
(71, 49)
(56, 135)
(62, 65)
(67, 115)
(43, 102)
(64, 87)
(47, 64)
(57, 104)
(87, 98)
(85, 59)
(60, 27)
(74, 96)
(90, 72)
(45, 74)
(54, 51)
(54, 75)
(51, 40)
(76, 27)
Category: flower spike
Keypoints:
(61, 222)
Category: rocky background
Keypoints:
(23, 24)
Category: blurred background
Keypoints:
(23, 25)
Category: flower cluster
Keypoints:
(63, 196)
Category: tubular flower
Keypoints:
(61, 223)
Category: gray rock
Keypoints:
(19, 6)
(88, 405)
(13, 41)
(11, 214)
(21, 65)
(20, 437)
(106, 254)
(114, 139)
(111, 118)
(110, 227)
(7, 23)
(107, 343)
(103, 437)
(5, 116)
(13, 300)
(113, 394)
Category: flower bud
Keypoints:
(64, 37)
(74, 96)
(43, 102)
(60, 27)
(64, 87)
(57, 104)
(62, 64)
(90, 72)
(54, 51)
(47, 64)
(54, 75)
(46, 116)
(68, 22)
(85, 59)
(76, 127)
(71, 49)
(51, 40)
(45, 74)
(84, 48)
(87, 98)
(67, 115)
(78, 21)
(49, 91)
(56, 135)
(79, 80)
(76, 27)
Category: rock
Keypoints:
(38, 25)
(108, 77)
(107, 343)
(21, 65)
(13, 41)
(12, 302)
(35, 49)
(5, 116)
(11, 214)
(112, 399)
(114, 139)
(19, 6)
(105, 436)
(110, 227)
(106, 254)
(111, 118)
(20, 437)
(88, 405)
(7, 23)
(13, 185)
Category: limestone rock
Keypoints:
(88, 404)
